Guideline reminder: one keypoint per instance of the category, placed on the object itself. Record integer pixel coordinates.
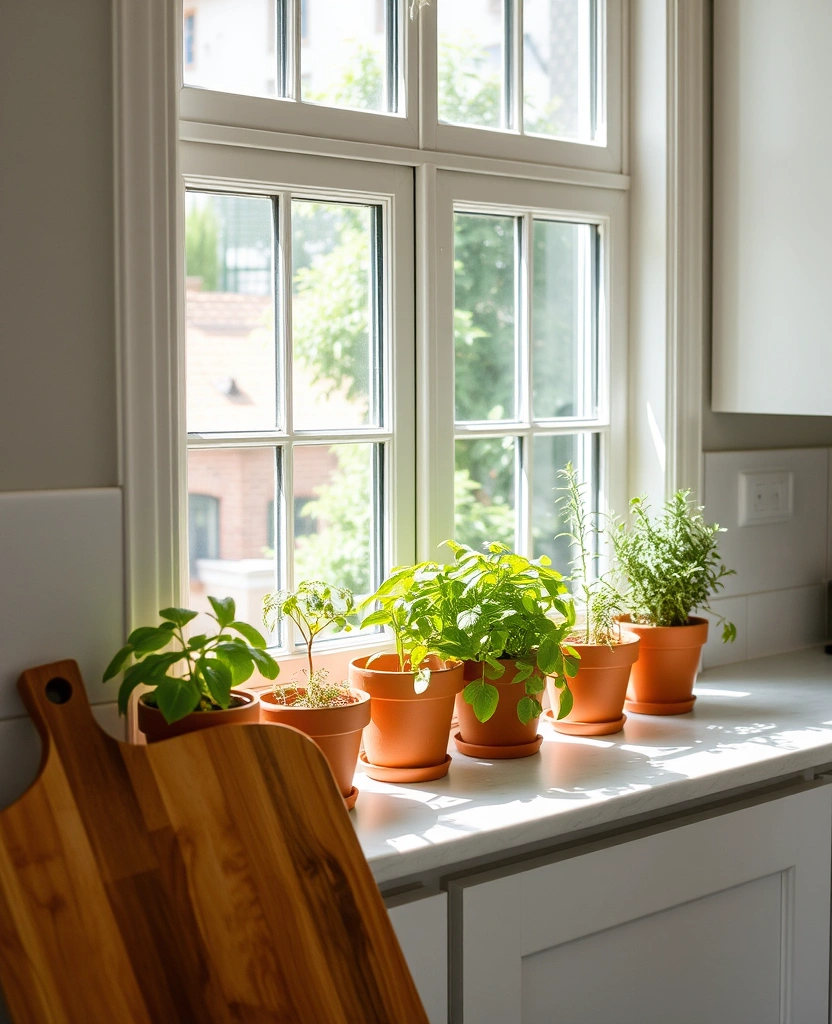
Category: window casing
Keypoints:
(289, 150)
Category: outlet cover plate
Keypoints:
(766, 496)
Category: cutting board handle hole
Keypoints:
(58, 690)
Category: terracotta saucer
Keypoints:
(381, 773)
(584, 728)
(498, 752)
(640, 707)
(350, 799)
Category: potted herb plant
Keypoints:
(606, 651)
(413, 690)
(673, 567)
(333, 716)
(513, 614)
(203, 692)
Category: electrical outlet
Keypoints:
(766, 496)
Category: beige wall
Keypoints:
(57, 319)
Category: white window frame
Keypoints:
(485, 193)
(150, 125)
(605, 153)
(288, 175)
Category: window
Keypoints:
(189, 39)
(390, 345)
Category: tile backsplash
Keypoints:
(61, 596)
(777, 599)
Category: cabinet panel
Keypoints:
(717, 918)
(713, 959)
(420, 921)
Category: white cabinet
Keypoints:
(420, 921)
(717, 919)
(772, 208)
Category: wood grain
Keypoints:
(212, 877)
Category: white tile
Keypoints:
(715, 652)
(111, 721)
(20, 749)
(770, 556)
(786, 620)
(62, 593)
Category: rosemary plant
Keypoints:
(671, 562)
(599, 593)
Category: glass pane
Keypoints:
(343, 54)
(557, 68)
(335, 505)
(563, 320)
(231, 529)
(471, 62)
(230, 46)
(229, 312)
(485, 300)
(484, 491)
(334, 315)
(549, 455)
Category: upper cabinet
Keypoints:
(772, 287)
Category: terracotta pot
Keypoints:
(337, 731)
(408, 731)
(662, 679)
(598, 690)
(152, 722)
(503, 735)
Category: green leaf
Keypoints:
(149, 638)
(176, 698)
(565, 701)
(124, 691)
(225, 609)
(421, 680)
(417, 656)
(196, 643)
(254, 637)
(483, 698)
(377, 618)
(238, 659)
(549, 655)
(266, 664)
(117, 663)
(729, 633)
(528, 709)
(178, 616)
(217, 678)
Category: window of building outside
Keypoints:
(301, 290)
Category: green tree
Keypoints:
(202, 257)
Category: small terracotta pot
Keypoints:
(152, 722)
(503, 735)
(598, 689)
(408, 731)
(662, 679)
(337, 731)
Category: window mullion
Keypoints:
(524, 375)
(514, 65)
(283, 347)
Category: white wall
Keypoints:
(61, 592)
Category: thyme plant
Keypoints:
(212, 664)
(599, 593)
(313, 607)
(671, 562)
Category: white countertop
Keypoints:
(753, 722)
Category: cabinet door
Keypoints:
(420, 921)
(706, 920)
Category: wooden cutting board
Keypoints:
(213, 877)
